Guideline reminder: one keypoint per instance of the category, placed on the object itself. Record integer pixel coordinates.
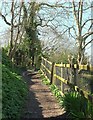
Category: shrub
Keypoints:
(77, 106)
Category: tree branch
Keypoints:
(75, 15)
(86, 22)
(8, 23)
(87, 35)
(78, 10)
(87, 44)
(55, 5)
(90, 26)
(4, 18)
(81, 13)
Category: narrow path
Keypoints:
(40, 102)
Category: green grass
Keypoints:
(14, 89)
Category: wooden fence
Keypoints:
(69, 77)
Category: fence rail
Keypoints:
(69, 77)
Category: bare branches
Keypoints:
(55, 5)
(87, 44)
(81, 22)
(86, 35)
(4, 18)
(86, 22)
(54, 18)
(75, 15)
(8, 23)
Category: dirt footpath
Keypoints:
(40, 102)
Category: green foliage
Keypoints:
(5, 59)
(61, 56)
(44, 80)
(14, 90)
(74, 103)
(56, 92)
(52, 87)
(77, 106)
(8, 63)
(39, 71)
(31, 37)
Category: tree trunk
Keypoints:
(12, 27)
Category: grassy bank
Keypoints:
(14, 89)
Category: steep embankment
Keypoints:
(14, 89)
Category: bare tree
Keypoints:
(36, 20)
(15, 23)
(81, 26)
(42, 17)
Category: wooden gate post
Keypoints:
(52, 72)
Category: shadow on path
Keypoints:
(32, 107)
(40, 102)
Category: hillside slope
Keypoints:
(14, 89)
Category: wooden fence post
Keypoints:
(62, 84)
(52, 72)
(91, 80)
(45, 66)
(75, 76)
(41, 64)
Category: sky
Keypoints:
(47, 0)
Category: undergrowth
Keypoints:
(14, 89)
(44, 80)
(76, 105)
